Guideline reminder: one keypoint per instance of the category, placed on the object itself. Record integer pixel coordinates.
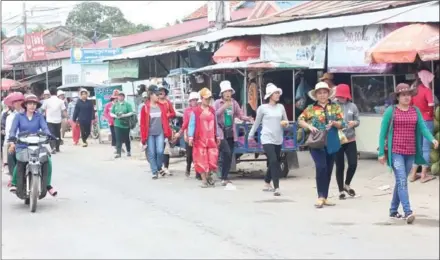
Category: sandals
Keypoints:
(428, 178)
(414, 177)
(320, 203)
(350, 191)
(52, 191)
(12, 189)
(204, 185)
(328, 203)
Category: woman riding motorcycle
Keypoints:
(30, 121)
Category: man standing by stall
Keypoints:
(227, 109)
(424, 101)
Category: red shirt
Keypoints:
(107, 109)
(424, 101)
(404, 131)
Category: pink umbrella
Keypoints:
(9, 83)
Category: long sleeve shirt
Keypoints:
(22, 123)
(84, 111)
(71, 109)
(236, 113)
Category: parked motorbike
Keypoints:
(32, 168)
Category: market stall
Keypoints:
(243, 145)
(409, 44)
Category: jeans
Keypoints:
(155, 148)
(85, 128)
(55, 129)
(189, 157)
(227, 151)
(273, 154)
(324, 167)
(402, 165)
(349, 150)
(426, 144)
(113, 133)
(122, 136)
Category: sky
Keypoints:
(154, 13)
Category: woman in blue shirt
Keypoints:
(31, 121)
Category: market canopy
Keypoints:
(238, 50)
(404, 44)
(180, 71)
(75, 86)
(249, 65)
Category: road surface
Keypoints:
(113, 209)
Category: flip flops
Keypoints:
(428, 178)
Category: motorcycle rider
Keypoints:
(14, 101)
(31, 121)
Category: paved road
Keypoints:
(112, 209)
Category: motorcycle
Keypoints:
(32, 168)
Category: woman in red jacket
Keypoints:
(154, 128)
(193, 99)
(203, 136)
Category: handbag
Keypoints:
(228, 132)
(342, 138)
(317, 140)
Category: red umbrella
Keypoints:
(238, 50)
(9, 83)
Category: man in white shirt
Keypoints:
(54, 109)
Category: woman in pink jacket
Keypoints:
(111, 120)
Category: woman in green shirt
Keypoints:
(121, 111)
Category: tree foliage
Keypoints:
(88, 17)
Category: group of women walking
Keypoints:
(209, 131)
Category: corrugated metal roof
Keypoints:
(249, 64)
(425, 12)
(155, 50)
(313, 9)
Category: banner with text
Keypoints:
(304, 49)
(123, 69)
(103, 95)
(92, 56)
(34, 46)
(347, 47)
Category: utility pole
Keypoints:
(24, 18)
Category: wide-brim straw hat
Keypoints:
(326, 76)
(31, 98)
(321, 85)
(83, 90)
(205, 93)
(13, 97)
(403, 88)
(270, 89)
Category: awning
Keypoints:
(404, 44)
(180, 71)
(53, 76)
(422, 13)
(155, 51)
(238, 50)
(250, 65)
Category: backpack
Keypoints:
(132, 121)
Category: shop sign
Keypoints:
(92, 56)
(103, 95)
(123, 69)
(303, 49)
(34, 46)
(347, 47)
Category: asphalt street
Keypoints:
(112, 209)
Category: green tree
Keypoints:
(88, 17)
(39, 28)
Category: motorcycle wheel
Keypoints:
(35, 185)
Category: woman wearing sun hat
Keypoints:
(14, 101)
(272, 116)
(323, 116)
(400, 145)
(109, 118)
(193, 99)
(227, 109)
(31, 121)
(203, 135)
(348, 148)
